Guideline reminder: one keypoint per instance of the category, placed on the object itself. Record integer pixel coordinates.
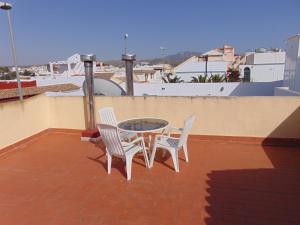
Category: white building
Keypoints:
(263, 66)
(72, 66)
(195, 66)
(292, 66)
(226, 53)
(291, 83)
(37, 70)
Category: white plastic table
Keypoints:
(144, 125)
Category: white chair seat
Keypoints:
(167, 141)
(130, 149)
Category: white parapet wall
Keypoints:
(207, 89)
(225, 116)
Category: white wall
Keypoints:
(59, 79)
(264, 73)
(207, 89)
(193, 67)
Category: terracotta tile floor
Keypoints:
(57, 179)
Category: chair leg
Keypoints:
(164, 153)
(186, 155)
(146, 158)
(128, 166)
(152, 156)
(174, 154)
(109, 159)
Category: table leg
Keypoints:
(149, 141)
(148, 147)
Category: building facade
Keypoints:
(195, 66)
(292, 66)
(263, 66)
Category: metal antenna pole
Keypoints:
(125, 43)
(7, 7)
(206, 60)
(162, 49)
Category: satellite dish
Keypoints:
(106, 88)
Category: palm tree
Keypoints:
(199, 79)
(171, 78)
(216, 78)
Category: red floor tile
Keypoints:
(57, 179)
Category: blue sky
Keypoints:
(53, 30)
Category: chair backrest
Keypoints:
(107, 116)
(188, 123)
(111, 138)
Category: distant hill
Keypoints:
(173, 60)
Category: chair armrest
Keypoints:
(139, 139)
(163, 135)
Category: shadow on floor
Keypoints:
(255, 196)
(261, 196)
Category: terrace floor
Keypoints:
(57, 179)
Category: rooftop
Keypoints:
(30, 91)
(54, 178)
(236, 175)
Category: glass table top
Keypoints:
(143, 124)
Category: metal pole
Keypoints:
(89, 79)
(206, 60)
(7, 7)
(163, 52)
(129, 72)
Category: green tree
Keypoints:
(4, 69)
(171, 78)
(199, 79)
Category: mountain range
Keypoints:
(173, 60)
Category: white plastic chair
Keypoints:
(172, 144)
(114, 147)
(107, 116)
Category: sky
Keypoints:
(54, 30)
